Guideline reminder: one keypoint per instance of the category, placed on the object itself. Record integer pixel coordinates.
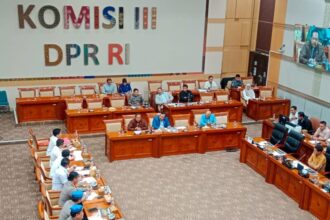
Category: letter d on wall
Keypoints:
(58, 51)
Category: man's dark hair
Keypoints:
(237, 75)
(136, 114)
(162, 113)
(301, 114)
(185, 86)
(323, 122)
(319, 147)
(109, 79)
(124, 80)
(73, 175)
(59, 142)
(65, 153)
(65, 162)
(210, 77)
(294, 107)
(134, 90)
(56, 131)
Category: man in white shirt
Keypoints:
(57, 163)
(52, 140)
(322, 133)
(61, 175)
(293, 117)
(211, 84)
(248, 93)
(162, 98)
(57, 151)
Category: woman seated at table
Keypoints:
(160, 121)
(124, 87)
(317, 160)
(207, 119)
(248, 94)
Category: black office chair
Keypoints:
(327, 165)
(293, 142)
(278, 134)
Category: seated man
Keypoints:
(317, 160)
(186, 95)
(137, 123)
(322, 133)
(52, 140)
(293, 115)
(207, 119)
(57, 163)
(109, 87)
(305, 123)
(237, 82)
(211, 84)
(124, 87)
(76, 212)
(60, 176)
(248, 93)
(135, 99)
(162, 98)
(160, 121)
(69, 187)
(76, 199)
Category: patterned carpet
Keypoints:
(188, 187)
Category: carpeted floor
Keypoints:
(211, 186)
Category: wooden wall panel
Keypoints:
(231, 9)
(238, 32)
(244, 8)
(235, 60)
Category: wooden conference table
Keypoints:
(91, 121)
(306, 148)
(258, 109)
(308, 195)
(120, 146)
(50, 108)
(233, 107)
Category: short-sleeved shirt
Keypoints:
(325, 134)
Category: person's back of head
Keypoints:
(59, 142)
(319, 148)
(65, 153)
(65, 162)
(56, 132)
(73, 175)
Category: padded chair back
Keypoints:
(174, 86)
(221, 117)
(67, 90)
(207, 97)
(154, 85)
(87, 90)
(266, 92)
(94, 103)
(73, 104)
(222, 95)
(181, 120)
(113, 125)
(190, 83)
(100, 85)
(247, 80)
(47, 91)
(3, 98)
(278, 134)
(293, 142)
(150, 117)
(27, 92)
(117, 101)
(315, 123)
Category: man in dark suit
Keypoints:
(305, 123)
(312, 53)
(186, 95)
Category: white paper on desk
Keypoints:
(313, 142)
(202, 90)
(83, 172)
(180, 127)
(78, 169)
(95, 217)
(277, 154)
(89, 180)
(77, 155)
(92, 196)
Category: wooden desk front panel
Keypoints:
(40, 112)
(180, 144)
(132, 148)
(213, 141)
(288, 181)
(86, 124)
(259, 110)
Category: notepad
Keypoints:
(77, 155)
